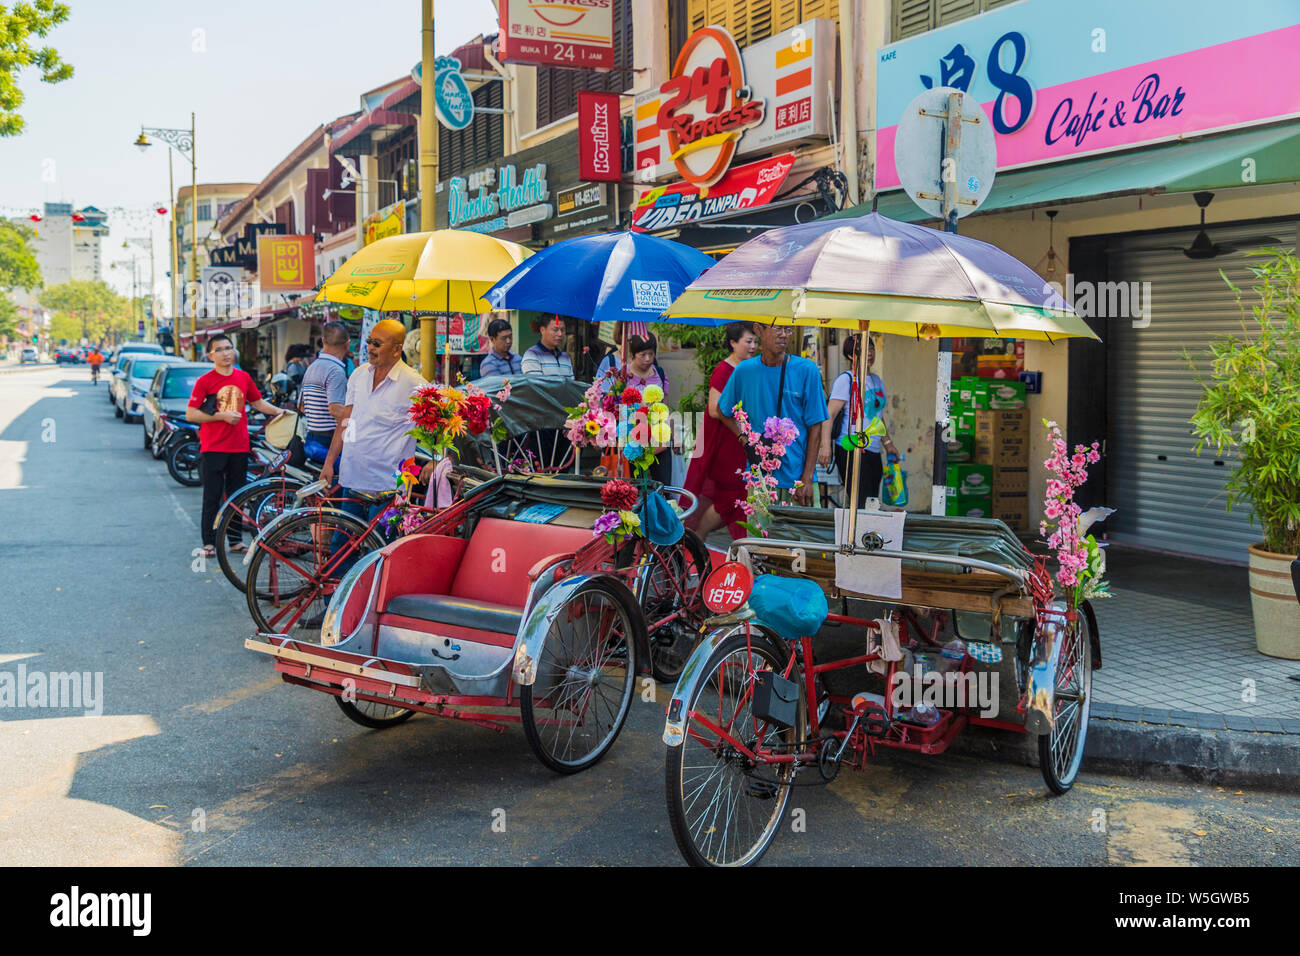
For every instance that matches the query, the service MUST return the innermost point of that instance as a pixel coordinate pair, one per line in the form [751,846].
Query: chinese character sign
[572,33]
[286,262]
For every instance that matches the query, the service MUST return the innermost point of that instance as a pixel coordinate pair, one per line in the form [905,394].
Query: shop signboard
[600,139]
[744,187]
[286,263]
[1061,81]
[722,102]
[389,221]
[538,188]
[571,33]
[224,292]
[453,102]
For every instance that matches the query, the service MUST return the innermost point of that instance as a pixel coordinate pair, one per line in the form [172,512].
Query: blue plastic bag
[893,486]
[793,607]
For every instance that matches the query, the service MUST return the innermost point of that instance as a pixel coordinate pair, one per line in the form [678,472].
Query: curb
[1192,753]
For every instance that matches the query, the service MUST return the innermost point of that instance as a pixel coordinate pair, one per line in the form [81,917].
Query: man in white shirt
[374,424]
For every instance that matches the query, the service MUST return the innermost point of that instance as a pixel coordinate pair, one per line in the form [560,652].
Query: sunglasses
[375,343]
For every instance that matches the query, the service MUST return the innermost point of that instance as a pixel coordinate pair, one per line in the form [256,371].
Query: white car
[29,355]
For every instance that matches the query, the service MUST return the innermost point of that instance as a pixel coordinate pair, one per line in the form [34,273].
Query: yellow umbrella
[448,270]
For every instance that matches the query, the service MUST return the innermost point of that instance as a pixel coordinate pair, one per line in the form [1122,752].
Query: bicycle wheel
[249,507]
[1060,752]
[585,674]
[375,716]
[724,807]
[296,568]
[674,584]
[183,464]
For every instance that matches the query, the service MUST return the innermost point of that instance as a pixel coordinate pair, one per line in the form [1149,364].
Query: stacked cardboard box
[970,490]
[1002,444]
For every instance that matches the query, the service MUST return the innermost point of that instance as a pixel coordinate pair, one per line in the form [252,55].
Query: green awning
[1213,162]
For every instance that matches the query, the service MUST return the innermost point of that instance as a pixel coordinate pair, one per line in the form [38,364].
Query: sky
[260,75]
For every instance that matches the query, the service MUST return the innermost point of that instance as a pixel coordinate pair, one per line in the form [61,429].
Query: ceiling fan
[1203,247]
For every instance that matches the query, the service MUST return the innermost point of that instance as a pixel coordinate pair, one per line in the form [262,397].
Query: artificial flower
[652,394]
[630,396]
[619,495]
[606,523]
[630,518]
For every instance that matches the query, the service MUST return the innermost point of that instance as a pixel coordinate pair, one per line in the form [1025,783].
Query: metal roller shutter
[1168,498]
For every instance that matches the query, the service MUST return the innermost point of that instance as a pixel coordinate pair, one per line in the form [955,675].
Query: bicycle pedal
[874,723]
[762,789]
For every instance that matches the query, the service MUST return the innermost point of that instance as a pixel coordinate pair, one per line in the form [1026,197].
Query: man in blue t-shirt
[757,384]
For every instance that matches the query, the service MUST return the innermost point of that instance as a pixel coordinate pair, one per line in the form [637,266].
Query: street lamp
[181,141]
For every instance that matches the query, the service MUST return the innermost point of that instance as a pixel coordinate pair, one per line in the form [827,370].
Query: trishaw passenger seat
[793,607]
[500,554]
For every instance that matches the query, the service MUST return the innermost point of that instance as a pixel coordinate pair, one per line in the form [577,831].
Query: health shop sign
[574,33]
[600,137]
[744,187]
[722,102]
[286,262]
[539,188]
[1060,81]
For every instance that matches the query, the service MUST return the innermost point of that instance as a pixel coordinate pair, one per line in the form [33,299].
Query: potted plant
[1252,402]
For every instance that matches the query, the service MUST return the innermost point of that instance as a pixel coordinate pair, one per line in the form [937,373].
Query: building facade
[1115,136]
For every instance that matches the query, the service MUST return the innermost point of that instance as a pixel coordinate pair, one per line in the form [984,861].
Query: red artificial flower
[630,396]
[475,412]
[618,495]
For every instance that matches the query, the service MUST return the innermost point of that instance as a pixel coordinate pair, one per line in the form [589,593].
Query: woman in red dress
[712,476]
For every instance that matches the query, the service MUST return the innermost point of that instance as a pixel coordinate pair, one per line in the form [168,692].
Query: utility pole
[428,175]
[194,235]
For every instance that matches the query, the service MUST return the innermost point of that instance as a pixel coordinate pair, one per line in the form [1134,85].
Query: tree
[19,23]
[18,266]
[8,319]
[101,312]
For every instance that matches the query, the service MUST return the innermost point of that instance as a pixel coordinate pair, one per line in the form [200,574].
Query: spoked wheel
[1061,752]
[585,675]
[725,808]
[367,713]
[297,567]
[183,464]
[249,507]
[673,585]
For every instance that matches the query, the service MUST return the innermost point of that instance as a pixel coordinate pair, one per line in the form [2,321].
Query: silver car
[132,382]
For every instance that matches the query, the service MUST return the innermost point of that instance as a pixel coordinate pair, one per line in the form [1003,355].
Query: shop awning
[1213,162]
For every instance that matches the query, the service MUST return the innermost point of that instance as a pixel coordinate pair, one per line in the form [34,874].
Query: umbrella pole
[855,456]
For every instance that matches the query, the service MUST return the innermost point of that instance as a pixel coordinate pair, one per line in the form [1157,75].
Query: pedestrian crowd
[356,419]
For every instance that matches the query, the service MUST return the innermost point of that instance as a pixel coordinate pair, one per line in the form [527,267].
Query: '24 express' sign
[1059,81]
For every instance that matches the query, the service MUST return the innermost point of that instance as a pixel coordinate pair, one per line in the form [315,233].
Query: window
[557,89]
[912,17]
[748,21]
[397,154]
[205,211]
[480,144]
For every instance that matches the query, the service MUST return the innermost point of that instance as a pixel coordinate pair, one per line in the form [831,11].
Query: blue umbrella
[609,277]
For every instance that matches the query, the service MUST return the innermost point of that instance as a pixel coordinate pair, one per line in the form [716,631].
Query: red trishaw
[757,709]
[506,608]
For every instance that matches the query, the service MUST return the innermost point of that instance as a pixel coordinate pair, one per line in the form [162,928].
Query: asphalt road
[202,757]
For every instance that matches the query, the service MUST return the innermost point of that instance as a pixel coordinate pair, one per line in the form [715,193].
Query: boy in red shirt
[223,434]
